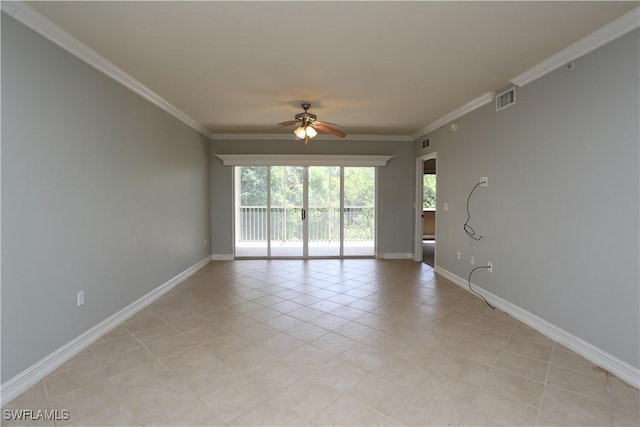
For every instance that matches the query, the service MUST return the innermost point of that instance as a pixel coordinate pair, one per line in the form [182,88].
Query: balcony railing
[324,223]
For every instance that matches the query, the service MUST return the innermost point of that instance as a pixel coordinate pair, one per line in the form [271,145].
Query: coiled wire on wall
[472,233]
[467,228]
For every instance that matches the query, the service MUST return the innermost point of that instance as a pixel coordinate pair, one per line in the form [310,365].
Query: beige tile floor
[328,342]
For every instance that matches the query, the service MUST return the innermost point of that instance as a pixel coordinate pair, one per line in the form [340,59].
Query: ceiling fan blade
[289,123]
[333,125]
[324,128]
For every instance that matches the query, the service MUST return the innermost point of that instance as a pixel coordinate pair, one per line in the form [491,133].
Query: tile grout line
[126,400]
[610,398]
[481,387]
[46,393]
[544,385]
[447,353]
[406,288]
[493,366]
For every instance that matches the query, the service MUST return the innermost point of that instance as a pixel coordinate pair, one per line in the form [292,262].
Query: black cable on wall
[467,228]
[475,292]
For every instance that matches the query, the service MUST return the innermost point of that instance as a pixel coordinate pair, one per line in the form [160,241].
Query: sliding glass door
[324,211]
[286,211]
[304,211]
[251,219]
[359,211]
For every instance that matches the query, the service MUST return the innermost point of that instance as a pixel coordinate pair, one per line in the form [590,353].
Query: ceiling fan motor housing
[306,117]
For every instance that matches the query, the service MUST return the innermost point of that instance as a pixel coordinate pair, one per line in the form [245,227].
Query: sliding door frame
[304,250]
[305,160]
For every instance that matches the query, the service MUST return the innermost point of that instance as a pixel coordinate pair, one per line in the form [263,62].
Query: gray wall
[395,188]
[560,215]
[101,192]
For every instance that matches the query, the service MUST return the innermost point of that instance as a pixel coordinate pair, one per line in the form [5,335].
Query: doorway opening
[429,212]
[425,214]
[304,211]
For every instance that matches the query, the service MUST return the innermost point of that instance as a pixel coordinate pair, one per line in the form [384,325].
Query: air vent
[506,99]
[426,143]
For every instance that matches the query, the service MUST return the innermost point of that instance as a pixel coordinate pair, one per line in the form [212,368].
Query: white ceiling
[376,68]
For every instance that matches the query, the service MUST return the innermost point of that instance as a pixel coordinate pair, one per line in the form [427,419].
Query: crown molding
[46,28]
[455,114]
[302,160]
[610,32]
[52,32]
[281,136]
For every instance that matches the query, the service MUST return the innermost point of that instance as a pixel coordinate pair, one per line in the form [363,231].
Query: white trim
[342,209]
[627,22]
[619,368]
[30,376]
[377,209]
[49,30]
[290,136]
[222,257]
[396,255]
[46,28]
[301,160]
[455,114]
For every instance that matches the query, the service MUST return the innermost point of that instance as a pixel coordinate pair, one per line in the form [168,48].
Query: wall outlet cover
[80,298]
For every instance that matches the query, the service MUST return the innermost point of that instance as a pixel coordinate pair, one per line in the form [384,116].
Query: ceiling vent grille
[506,99]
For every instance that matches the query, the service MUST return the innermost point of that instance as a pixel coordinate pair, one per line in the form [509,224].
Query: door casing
[417,238]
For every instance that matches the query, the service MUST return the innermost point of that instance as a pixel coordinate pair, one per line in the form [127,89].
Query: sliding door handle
[304,214]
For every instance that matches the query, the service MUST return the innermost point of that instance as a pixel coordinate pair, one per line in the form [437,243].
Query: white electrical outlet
[446,206]
[80,298]
[205,241]
[472,259]
[485,181]
[458,255]
[490,269]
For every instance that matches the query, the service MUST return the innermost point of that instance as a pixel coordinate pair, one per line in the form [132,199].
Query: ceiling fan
[308,125]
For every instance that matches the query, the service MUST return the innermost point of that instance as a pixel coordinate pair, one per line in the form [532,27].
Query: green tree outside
[324,200]
[429,191]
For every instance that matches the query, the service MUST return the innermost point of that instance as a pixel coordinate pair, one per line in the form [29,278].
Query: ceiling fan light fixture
[305,131]
[300,132]
[311,132]
[308,126]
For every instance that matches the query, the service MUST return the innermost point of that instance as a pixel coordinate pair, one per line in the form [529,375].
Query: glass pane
[324,211]
[359,211]
[286,210]
[251,211]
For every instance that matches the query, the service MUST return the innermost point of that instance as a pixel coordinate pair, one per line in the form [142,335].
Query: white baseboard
[626,372]
[395,255]
[30,376]
[222,257]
